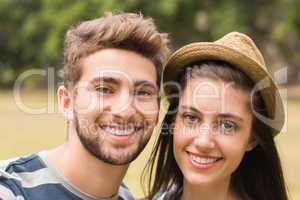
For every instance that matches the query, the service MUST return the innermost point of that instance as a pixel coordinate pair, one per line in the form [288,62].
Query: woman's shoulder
[160,195]
[168,194]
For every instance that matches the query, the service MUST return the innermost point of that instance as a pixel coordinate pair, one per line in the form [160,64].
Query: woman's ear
[65,103]
[251,144]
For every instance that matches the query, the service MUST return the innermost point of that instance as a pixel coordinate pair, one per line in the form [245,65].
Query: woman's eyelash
[190,118]
[227,125]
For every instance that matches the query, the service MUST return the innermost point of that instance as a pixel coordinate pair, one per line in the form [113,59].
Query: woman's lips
[202,161]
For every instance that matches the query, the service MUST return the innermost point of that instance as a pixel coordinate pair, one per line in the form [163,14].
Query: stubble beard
[93,140]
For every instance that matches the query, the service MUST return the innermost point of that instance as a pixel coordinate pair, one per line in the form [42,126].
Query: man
[111,71]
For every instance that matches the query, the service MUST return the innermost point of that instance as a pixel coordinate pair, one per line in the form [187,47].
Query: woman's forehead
[217,96]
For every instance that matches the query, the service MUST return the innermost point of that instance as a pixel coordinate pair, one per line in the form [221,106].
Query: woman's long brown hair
[259,175]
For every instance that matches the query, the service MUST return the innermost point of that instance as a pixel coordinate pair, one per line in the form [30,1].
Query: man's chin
[112,152]
[119,159]
[118,162]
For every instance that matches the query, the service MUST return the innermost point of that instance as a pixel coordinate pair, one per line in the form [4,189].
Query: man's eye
[104,90]
[189,118]
[142,93]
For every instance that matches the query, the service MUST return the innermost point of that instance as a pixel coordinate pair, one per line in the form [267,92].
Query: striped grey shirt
[34,178]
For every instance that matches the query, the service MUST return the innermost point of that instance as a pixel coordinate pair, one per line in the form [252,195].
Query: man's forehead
[118,61]
[119,71]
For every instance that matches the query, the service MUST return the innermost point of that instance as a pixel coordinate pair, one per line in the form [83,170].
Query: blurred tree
[31,31]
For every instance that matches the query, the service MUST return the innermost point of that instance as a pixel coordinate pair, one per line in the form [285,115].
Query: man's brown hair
[126,31]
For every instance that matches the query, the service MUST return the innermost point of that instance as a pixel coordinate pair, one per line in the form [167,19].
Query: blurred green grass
[23,133]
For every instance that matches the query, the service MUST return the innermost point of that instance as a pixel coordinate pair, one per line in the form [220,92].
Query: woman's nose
[204,139]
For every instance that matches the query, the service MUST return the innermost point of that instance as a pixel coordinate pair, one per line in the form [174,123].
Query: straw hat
[240,51]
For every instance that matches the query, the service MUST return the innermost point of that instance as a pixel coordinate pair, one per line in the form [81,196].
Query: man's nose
[124,105]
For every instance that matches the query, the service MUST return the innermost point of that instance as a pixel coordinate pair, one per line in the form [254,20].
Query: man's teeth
[201,160]
[119,131]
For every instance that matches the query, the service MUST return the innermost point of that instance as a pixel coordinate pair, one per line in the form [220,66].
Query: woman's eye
[190,119]
[104,90]
[227,126]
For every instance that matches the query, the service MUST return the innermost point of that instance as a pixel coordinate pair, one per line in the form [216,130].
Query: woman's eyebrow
[186,107]
[230,115]
[220,115]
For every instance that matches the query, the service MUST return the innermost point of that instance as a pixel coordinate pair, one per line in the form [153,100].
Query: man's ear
[65,102]
[251,144]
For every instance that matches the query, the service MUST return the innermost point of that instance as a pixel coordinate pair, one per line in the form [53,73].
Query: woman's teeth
[202,160]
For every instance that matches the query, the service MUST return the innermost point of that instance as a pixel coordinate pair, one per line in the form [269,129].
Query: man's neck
[84,171]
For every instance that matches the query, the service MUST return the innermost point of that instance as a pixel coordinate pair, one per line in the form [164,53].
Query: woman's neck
[213,191]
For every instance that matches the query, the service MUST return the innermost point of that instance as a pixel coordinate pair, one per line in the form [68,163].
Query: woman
[217,137]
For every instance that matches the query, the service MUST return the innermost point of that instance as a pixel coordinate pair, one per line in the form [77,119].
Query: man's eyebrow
[105,80]
[145,83]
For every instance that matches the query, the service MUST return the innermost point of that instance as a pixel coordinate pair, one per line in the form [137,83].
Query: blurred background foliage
[31,37]
[32,31]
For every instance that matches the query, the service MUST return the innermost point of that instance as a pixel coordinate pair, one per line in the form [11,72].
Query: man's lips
[121,130]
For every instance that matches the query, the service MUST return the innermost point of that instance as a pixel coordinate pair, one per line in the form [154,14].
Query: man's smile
[121,130]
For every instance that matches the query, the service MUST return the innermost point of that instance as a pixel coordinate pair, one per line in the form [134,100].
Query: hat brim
[202,51]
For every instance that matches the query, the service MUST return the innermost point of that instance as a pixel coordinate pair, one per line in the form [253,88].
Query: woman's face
[212,131]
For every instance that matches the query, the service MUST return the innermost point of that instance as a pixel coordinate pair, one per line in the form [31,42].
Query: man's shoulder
[25,176]
[13,167]
[14,175]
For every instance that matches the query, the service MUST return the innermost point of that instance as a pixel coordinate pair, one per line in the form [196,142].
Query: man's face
[116,104]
